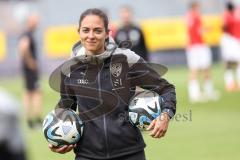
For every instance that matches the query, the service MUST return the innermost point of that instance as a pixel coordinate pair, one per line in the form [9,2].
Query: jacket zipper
[104,116]
[105,132]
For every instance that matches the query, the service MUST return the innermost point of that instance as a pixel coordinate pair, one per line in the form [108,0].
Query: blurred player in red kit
[230,46]
[198,58]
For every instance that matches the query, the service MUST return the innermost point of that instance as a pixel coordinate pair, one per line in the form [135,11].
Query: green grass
[212,134]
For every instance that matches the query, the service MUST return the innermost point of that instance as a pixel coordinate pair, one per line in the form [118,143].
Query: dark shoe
[30,123]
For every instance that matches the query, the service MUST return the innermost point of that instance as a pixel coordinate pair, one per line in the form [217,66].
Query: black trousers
[135,156]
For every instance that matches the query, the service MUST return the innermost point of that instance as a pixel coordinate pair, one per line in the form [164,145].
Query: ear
[107,37]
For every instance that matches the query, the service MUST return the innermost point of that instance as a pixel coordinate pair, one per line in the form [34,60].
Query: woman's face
[93,34]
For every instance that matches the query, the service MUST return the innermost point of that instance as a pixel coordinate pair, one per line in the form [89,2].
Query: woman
[101,81]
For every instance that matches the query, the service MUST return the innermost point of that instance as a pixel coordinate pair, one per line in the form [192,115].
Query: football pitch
[202,131]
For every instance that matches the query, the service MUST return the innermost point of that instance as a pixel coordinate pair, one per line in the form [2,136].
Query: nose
[91,35]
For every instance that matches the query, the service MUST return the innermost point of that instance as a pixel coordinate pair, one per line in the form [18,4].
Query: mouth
[91,42]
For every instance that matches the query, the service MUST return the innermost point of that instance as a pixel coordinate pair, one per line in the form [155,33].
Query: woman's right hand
[61,150]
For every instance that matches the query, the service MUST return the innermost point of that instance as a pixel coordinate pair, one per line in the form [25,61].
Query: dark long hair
[97,12]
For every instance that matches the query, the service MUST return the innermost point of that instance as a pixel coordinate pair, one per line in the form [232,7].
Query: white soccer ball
[144,107]
[62,127]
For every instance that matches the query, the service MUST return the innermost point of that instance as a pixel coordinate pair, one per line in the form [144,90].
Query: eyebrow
[97,28]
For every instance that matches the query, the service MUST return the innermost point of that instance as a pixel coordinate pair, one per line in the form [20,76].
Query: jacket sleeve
[143,75]
[67,100]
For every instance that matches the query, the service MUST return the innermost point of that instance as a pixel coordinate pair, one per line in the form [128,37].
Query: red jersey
[229,22]
[236,32]
[194,28]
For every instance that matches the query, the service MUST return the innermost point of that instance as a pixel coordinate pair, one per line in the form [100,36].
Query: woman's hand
[61,150]
[159,126]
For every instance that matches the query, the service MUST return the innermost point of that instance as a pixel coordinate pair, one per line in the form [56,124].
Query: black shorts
[135,156]
[31,79]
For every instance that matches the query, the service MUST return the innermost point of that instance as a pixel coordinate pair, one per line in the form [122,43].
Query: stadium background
[210,130]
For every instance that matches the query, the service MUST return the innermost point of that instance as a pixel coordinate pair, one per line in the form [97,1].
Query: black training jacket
[100,88]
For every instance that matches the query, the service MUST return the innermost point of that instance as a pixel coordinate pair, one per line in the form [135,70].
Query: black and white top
[100,88]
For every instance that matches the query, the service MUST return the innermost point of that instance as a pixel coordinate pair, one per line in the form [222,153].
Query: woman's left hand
[159,126]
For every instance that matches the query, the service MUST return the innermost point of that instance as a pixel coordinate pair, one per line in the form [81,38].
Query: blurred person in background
[230,46]
[198,58]
[129,31]
[32,97]
[237,34]
[11,140]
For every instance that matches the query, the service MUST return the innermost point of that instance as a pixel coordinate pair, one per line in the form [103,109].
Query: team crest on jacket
[116,69]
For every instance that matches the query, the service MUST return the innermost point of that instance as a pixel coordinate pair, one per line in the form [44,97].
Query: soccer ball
[62,127]
[144,107]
